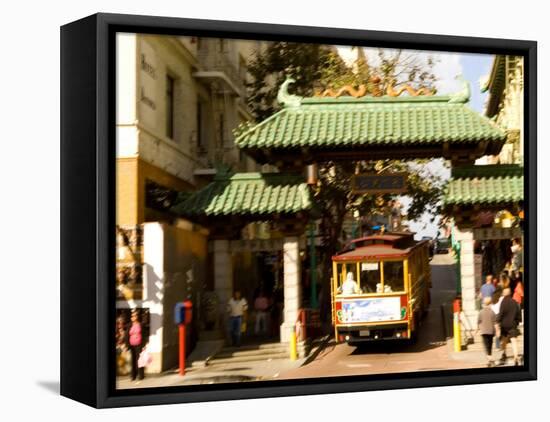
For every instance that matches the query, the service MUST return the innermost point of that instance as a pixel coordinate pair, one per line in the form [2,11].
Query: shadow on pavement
[241,368]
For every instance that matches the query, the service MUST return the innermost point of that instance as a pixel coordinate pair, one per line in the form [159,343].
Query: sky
[473,67]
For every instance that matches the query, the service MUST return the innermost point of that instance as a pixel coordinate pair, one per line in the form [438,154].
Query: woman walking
[486,326]
[135,339]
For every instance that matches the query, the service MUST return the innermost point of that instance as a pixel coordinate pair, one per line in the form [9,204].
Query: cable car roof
[379,246]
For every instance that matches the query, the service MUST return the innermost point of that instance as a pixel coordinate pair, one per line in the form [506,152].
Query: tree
[318,67]
[308,63]
[336,199]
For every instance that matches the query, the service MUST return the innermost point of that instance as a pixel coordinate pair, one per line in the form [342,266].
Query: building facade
[178,100]
[487,199]
[505,106]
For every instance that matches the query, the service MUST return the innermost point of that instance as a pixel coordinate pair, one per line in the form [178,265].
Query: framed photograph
[253,210]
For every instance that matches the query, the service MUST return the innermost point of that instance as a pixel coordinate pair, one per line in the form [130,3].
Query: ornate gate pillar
[467,275]
[292,285]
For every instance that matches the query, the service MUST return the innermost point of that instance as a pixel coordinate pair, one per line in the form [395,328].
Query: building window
[200,145]
[170,84]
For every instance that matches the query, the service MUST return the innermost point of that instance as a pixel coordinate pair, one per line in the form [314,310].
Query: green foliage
[306,63]
[336,199]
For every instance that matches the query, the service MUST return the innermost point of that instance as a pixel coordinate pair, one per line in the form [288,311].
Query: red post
[182,348]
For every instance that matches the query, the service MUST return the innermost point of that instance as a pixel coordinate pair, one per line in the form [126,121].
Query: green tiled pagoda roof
[490,184]
[495,85]
[248,194]
[355,122]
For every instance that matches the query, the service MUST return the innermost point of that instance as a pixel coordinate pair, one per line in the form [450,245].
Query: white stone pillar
[153,291]
[223,276]
[292,285]
[467,276]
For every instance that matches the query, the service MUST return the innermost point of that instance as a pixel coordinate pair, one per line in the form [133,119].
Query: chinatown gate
[232,201]
[308,131]
[472,192]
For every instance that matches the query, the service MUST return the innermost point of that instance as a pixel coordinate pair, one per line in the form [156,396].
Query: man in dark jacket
[509,317]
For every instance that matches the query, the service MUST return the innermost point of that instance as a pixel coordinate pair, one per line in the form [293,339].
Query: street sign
[378,183]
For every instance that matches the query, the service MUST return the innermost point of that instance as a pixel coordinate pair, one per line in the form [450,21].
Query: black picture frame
[88,208]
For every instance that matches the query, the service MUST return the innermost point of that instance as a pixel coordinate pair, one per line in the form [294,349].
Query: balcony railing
[222,63]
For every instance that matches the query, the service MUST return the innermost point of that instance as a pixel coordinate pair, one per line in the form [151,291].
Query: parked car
[442,245]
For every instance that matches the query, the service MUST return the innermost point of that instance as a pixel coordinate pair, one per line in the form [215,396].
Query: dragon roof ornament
[286,99]
[375,88]
[462,96]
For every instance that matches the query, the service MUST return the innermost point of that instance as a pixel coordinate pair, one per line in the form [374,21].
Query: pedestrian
[518,291]
[509,318]
[135,339]
[504,282]
[486,325]
[236,308]
[497,300]
[261,304]
[516,262]
[487,289]
[145,359]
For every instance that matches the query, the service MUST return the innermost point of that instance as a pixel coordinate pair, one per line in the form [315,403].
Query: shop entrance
[258,273]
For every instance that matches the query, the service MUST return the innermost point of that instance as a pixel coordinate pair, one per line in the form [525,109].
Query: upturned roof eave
[478,129]
[224,197]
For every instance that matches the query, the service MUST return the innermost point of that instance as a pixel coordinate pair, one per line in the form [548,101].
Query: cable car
[380,288]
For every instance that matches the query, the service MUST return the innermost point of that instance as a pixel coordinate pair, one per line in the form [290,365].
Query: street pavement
[431,352]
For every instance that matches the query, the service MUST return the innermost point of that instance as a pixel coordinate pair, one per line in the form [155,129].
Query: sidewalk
[235,372]
[474,353]
[199,372]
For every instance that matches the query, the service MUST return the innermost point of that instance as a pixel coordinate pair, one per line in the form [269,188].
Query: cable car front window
[370,276]
[393,277]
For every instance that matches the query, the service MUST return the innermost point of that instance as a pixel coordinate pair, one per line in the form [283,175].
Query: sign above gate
[496,233]
[379,183]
